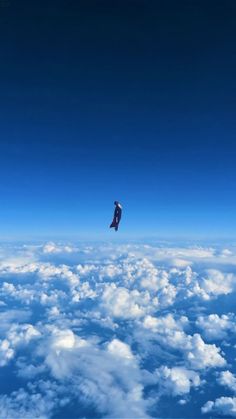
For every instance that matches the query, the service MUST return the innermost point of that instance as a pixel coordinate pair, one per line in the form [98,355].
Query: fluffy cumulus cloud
[36,401]
[217,327]
[106,376]
[6,352]
[120,302]
[227,379]
[51,247]
[176,380]
[217,283]
[119,349]
[169,332]
[225,406]
[111,330]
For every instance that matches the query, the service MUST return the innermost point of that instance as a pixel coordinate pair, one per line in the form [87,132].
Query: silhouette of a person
[117,215]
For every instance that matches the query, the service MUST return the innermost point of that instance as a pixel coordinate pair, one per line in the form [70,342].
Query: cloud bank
[116,330]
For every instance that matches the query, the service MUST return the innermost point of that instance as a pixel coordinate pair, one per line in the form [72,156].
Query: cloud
[120,302]
[51,247]
[113,330]
[108,377]
[169,332]
[12,316]
[165,325]
[211,284]
[176,381]
[120,349]
[6,352]
[225,406]
[18,335]
[38,401]
[29,371]
[181,263]
[201,355]
[217,283]
[227,379]
[217,327]
[22,334]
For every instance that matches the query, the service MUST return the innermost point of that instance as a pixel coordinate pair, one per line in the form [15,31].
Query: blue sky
[128,100]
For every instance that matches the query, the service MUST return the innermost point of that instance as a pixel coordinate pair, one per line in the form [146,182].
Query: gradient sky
[129,100]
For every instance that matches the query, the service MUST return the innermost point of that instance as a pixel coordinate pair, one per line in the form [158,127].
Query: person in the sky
[117,215]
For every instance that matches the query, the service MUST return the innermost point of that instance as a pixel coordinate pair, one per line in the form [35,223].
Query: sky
[124,100]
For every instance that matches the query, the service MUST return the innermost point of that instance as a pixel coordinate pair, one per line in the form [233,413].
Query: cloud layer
[116,330]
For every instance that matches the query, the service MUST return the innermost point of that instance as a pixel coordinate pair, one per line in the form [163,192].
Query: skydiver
[117,215]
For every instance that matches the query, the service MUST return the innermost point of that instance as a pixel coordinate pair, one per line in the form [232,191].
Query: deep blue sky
[128,100]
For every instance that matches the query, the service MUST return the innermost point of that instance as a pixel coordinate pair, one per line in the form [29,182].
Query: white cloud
[83,291]
[51,247]
[201,355]
[181,263]
[29,371]
[54,312]
[217,327]
[22,334]
[176,381]
[120,302]
[6,352]
[8,317]
[218,283]
[109,378]
[223,405]
[227,379]
[226,253]
[35,402]
[197,353]
[121,349]
[109,322]
[18,335]
[155,282]
[165,325]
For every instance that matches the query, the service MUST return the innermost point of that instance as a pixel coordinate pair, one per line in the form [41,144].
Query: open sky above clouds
[117,330]
[131,100]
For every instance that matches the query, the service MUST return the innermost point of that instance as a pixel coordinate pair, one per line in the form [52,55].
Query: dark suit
[116,218]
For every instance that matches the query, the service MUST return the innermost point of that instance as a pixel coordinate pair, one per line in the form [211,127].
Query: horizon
[130,101]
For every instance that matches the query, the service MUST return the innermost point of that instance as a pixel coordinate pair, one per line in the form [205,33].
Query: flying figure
[117,215]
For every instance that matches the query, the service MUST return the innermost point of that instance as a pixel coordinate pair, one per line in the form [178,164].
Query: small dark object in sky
[117,215]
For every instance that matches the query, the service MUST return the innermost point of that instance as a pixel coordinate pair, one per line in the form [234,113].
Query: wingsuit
[117,215]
